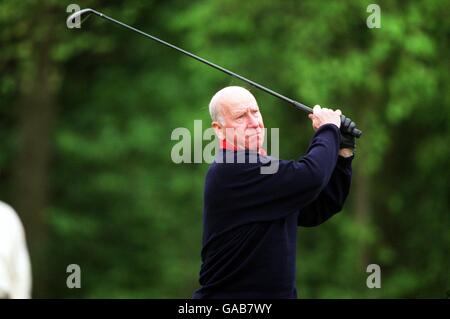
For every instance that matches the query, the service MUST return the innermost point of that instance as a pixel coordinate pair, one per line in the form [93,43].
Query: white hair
[215,109]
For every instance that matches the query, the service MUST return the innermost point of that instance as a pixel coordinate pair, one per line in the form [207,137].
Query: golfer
[250,219]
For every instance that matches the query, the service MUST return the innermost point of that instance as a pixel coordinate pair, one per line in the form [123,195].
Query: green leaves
[120,208]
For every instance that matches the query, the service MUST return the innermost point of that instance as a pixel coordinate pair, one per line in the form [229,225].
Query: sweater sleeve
[236,194]
[305,178]
[331,200]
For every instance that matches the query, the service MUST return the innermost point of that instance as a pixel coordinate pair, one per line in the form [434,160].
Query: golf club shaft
[356,132]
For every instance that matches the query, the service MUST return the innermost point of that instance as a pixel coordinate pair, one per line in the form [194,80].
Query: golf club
[346,124]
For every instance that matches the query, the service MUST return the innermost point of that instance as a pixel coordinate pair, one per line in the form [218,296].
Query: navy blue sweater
[250,219]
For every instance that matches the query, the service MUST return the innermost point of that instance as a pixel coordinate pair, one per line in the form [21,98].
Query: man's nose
[253,120]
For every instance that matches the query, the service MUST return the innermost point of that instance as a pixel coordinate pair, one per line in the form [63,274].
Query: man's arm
[331,200]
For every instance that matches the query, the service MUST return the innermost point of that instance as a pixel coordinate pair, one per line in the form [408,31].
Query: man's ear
[218,128]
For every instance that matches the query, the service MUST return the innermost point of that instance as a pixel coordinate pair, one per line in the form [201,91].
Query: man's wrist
[345,152]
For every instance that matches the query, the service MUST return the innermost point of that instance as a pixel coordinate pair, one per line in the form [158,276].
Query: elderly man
[250,219]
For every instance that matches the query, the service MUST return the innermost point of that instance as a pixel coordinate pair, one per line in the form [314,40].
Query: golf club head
[77,14]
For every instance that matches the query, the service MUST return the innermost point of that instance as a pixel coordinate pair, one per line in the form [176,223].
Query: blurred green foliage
[117,205]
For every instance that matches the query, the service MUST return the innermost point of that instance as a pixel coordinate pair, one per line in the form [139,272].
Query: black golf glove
[347,139]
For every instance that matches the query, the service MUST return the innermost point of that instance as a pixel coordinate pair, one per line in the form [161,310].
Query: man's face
[242,123]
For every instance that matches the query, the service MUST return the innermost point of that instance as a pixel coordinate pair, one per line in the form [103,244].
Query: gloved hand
[347,139]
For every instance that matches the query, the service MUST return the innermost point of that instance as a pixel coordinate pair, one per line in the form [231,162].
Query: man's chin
[251,142]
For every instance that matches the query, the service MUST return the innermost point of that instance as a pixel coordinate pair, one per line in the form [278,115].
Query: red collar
[231,147]
[226,146]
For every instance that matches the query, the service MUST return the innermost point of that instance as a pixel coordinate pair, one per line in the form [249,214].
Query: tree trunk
[362,209]
[36,112]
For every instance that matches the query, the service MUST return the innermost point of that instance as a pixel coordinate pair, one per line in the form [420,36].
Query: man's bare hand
[345,152]
[322,116]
